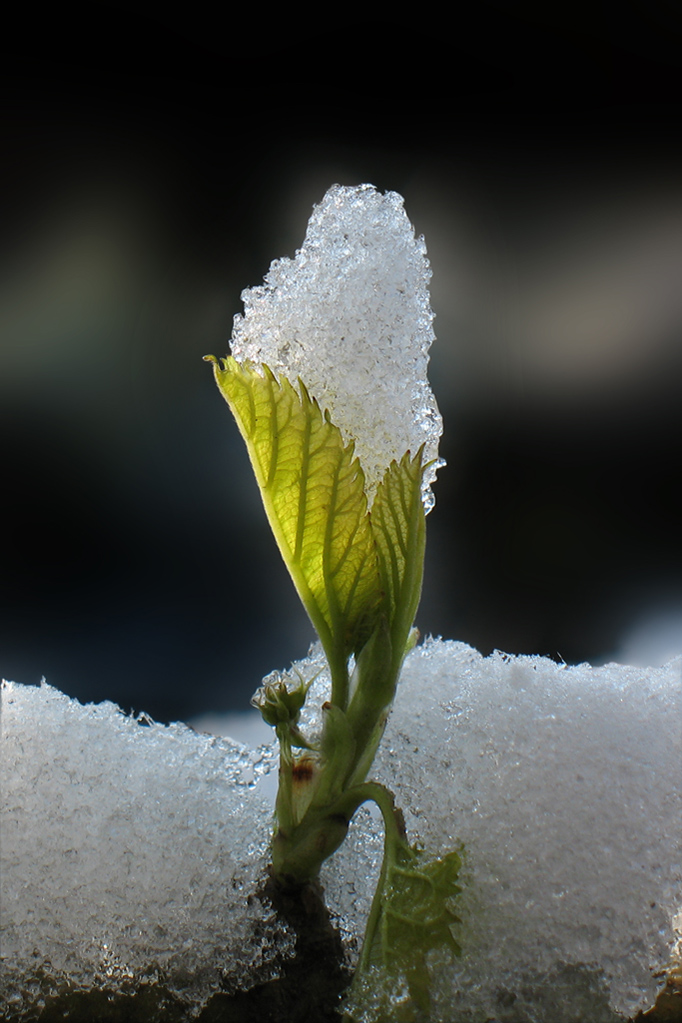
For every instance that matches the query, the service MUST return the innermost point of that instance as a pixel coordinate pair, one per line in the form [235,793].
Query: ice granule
[129,852]
[350,315]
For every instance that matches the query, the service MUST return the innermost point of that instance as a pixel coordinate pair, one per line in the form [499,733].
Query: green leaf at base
[416,910]
[416,917]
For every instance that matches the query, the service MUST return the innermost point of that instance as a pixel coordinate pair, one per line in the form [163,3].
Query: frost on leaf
[350,315]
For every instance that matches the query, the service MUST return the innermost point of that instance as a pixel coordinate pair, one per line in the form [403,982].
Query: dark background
[154,164]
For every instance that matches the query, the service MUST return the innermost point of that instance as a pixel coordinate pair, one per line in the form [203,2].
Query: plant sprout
[345,482]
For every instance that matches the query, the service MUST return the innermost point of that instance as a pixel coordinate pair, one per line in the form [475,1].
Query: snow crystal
[131,851]
[350,315]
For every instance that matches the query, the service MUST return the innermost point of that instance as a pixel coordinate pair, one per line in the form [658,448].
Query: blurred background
[152,167]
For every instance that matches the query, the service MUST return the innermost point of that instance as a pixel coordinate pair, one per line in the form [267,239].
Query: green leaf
[399,529]
[416,918]
[416,910]
[313,490]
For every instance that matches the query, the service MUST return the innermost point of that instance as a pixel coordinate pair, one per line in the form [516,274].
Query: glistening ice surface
[128,848]
[350,315]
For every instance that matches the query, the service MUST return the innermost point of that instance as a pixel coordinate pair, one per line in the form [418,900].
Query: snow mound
[563,784]
[129,850]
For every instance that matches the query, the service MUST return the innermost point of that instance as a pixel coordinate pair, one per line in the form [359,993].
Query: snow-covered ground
[129,849]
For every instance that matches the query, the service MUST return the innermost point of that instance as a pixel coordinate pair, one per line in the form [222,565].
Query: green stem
[299,851]
[338,667]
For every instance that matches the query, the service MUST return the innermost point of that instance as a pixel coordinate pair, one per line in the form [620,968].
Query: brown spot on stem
[302,771]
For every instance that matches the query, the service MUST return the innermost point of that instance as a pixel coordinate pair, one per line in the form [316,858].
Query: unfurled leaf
[312,488]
